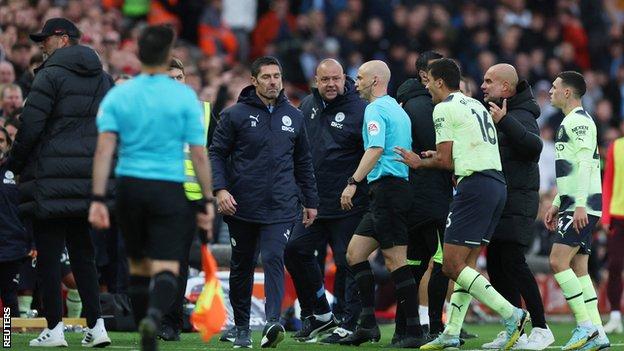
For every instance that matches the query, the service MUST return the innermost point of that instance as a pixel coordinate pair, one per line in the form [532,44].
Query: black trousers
[306,271]
[51,236]
[9,282]
[510,275]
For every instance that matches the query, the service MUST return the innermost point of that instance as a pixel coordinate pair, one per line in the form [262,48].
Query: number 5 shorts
[567,235]
[475,210]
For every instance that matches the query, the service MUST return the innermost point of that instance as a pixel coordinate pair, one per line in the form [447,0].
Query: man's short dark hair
[447,70]
[423,60]
[155,43]
[575,81]
[175,63]
[261,62]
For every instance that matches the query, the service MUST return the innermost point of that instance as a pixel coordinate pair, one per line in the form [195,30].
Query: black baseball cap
[56,26]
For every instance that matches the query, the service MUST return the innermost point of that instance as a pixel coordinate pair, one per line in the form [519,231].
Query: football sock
[163,288]
[405,290]
[24,302]
[591,302]
[74,303]
[573,292]
[423,314]
[460,303]
[138,291]
[481,289]
[366,286]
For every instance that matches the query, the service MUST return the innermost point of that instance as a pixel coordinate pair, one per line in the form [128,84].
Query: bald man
[385,225]
[514,111]
[333,115]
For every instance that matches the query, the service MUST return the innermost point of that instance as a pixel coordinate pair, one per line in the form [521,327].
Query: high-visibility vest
[191,186]
[617,198]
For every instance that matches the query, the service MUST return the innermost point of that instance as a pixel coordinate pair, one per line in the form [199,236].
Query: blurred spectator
[240,16]
[273,27]
[7,72]
[10,100]
[215,38]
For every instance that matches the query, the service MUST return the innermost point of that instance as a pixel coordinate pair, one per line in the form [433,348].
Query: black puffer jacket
[53,151]
[433,188]
[520,147]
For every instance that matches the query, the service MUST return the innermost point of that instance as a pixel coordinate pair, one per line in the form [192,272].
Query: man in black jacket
[433,190]
[53,154]
[263,174]
[514,110]
[333,115]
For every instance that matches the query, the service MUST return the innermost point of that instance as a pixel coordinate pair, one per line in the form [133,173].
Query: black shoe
[168,333]
[410,342]
[395,338]
[362,335]
[243,338]
[228,335]
[425,329]
[272,335]
[313,327]
[336,336]
[463,334]
[147,330]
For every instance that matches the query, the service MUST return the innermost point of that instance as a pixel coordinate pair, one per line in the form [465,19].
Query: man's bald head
[377,69]
[499,82]
[330,79]
[372,80]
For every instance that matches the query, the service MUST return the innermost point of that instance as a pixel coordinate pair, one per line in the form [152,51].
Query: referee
[386,125]
[152,117]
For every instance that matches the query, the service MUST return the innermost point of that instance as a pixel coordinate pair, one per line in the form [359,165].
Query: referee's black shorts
[155,218]
[387,218]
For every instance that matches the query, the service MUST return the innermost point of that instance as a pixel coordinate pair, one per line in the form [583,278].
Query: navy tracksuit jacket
[262,157]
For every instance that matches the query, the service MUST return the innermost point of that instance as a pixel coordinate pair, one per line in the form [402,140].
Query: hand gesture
[551,218]
[408,157]
[498,112]
[226,204]
[98,215]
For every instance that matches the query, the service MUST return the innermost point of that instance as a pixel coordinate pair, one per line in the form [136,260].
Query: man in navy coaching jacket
[262,163]
[333,114]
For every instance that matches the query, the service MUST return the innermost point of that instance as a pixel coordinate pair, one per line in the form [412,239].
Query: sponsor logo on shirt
[9,178]
[373,127]
[287,122]
[337,119]
[254,120]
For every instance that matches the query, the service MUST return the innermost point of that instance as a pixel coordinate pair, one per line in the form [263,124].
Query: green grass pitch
[191,341]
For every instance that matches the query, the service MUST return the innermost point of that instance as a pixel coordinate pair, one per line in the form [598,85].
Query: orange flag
[209,314]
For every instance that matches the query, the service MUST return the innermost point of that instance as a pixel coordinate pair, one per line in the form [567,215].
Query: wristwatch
[351,181]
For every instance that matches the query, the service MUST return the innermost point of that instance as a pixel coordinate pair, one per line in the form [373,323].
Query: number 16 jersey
[465,121]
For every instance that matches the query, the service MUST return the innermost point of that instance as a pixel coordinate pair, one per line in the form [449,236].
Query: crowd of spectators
[219,38]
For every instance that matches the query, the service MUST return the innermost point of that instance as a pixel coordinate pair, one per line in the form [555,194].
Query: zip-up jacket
[263,159]
[335,132]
